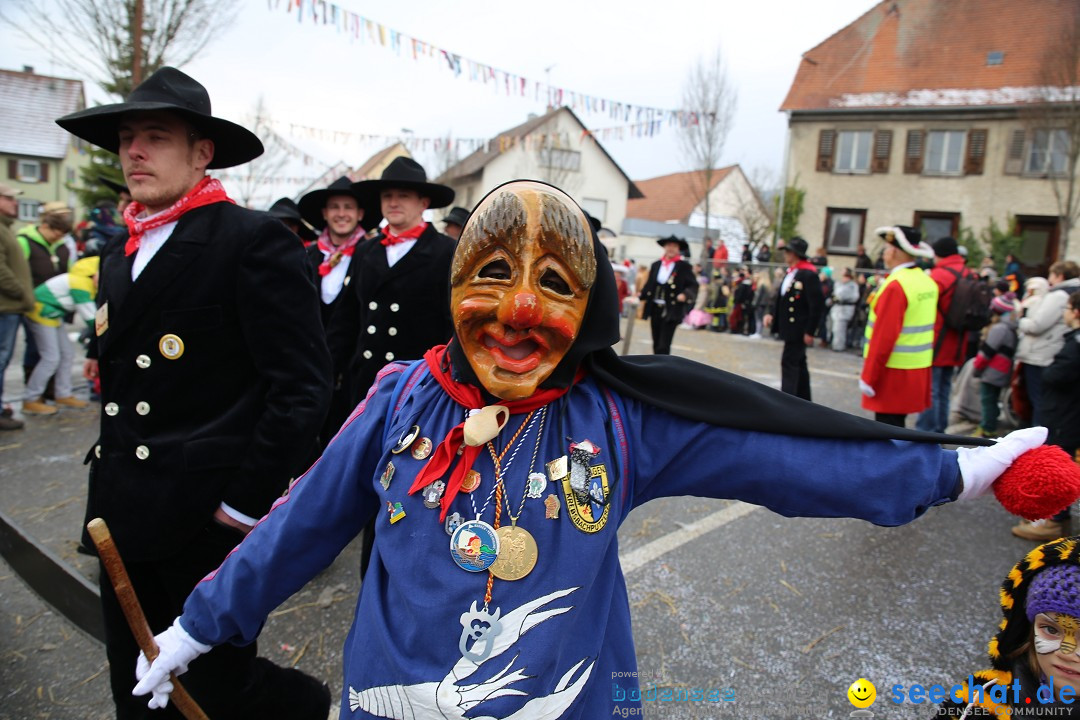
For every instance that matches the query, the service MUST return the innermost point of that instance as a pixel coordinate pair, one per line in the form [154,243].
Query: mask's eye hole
[495,270]
[554,282]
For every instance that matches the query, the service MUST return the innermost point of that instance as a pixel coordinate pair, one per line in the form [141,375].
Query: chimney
[28,69]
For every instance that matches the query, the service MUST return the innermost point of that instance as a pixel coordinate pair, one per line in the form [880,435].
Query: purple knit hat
[1055,589]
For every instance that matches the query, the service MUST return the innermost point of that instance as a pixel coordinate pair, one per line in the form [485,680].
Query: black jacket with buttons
[391,313]
[798,311]
[227,409]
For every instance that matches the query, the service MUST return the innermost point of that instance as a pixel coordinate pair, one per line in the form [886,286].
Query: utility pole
[136,42]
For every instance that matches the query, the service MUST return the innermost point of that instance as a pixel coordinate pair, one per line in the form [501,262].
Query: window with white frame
[28,210]
[944,152]
[1049,152]
[853,151]
[560,159]
[29,171]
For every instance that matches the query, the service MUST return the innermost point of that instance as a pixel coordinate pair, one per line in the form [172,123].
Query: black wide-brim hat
[405,173]
[170,90]
[796,245]
[285,209]
[456,216]
[684,247]
[113,185]
[312,204]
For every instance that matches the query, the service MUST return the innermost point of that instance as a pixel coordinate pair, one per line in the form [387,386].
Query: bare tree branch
[709,102]
[262,170]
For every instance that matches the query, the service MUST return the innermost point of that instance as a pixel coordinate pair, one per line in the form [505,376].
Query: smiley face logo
[862,693]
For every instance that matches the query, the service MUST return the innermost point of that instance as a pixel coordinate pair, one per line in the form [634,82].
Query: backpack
[970,306]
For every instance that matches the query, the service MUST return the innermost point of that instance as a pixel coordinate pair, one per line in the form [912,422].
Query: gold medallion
[171,346]
[517,553]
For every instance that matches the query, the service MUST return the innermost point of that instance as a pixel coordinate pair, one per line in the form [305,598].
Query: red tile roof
[671,198]
[932,53]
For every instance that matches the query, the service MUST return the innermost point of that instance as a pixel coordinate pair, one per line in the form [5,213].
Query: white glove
[981,466]
[175,650]
[866,389]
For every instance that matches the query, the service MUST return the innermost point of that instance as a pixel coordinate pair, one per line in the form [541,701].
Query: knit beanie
[1055,589]
[945,247]
[1003,303]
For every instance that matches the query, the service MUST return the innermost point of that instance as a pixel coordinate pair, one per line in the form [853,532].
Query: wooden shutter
[1014,154]
[882,149]
[44,172]
[914,152]
[13,169]
[976,152]
[825,149]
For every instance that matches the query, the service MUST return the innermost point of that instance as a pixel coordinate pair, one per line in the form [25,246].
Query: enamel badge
[387,476]
[171,346]
[395,510]
[474,546]
[588,510]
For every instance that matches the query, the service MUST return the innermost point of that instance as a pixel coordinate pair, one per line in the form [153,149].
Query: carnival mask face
[520,284]
[1056,636]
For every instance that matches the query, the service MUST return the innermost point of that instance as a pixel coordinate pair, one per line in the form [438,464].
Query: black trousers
[891,418]
[663,332]
[227,682]
[794,373]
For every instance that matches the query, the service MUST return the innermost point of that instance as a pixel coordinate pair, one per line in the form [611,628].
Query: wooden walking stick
[129,603]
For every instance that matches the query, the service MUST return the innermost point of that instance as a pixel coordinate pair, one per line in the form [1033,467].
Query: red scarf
[332,255]
[667,262]
[207,192]
[453,444]
[390,238]
[804,265]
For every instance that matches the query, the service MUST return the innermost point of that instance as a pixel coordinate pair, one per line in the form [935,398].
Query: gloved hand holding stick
[129,603]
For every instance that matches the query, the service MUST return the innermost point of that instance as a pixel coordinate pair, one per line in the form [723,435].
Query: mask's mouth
[520,355]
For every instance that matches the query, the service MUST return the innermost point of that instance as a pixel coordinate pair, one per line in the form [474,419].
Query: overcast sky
[633,52]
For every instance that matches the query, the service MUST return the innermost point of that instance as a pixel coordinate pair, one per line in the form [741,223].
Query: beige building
[37,156]
[556,149]
[920,113]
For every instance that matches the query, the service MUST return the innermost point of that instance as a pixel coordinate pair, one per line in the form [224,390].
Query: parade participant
[397,305]
[285,210]
[71,292]
[500,467]
[214,379]
[950,344]
[16,292]
[343,216]
[797,312]
[454,221]
[899,345]
[669,292]
[1035,667]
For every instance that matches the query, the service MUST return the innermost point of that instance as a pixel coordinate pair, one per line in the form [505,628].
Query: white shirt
[151,242]
[396,252]
[332,282]
[788,279]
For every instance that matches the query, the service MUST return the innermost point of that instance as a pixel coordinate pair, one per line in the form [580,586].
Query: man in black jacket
[398,302]
[214,380]
[669,292]
[797,313]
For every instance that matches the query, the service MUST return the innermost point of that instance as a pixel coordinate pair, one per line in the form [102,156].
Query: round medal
[406,440]
[171,346]
[517,553]
[421,448]
[474,546]
[471,481]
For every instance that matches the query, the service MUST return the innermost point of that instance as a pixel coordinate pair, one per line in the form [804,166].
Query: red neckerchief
[667,262]
[804,265]
[332,255]
[390,238]
[453,444]
[207,192]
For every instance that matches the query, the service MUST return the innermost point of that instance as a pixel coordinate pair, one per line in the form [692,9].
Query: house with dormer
[919,113]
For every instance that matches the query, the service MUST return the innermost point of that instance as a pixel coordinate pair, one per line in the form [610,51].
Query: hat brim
[312,204]
[684,247]
[900,241]
[440,195]
[796,253]
[233,144]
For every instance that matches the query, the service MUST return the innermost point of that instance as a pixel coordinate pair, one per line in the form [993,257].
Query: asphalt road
[777,616]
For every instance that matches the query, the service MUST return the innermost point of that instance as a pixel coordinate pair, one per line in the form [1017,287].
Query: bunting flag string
[358,28]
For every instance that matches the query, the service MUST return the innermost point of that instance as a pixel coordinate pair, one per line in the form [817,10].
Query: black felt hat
[684,247]
[285,209]
[171,90]
[796,245]
[456,216]
[312,204]
[407,174]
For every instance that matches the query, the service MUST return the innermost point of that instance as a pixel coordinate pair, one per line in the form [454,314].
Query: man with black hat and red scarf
[214,380]
[397,304]
[797,312]
[669,292]
[285,210]
[343,216]
[517,608]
